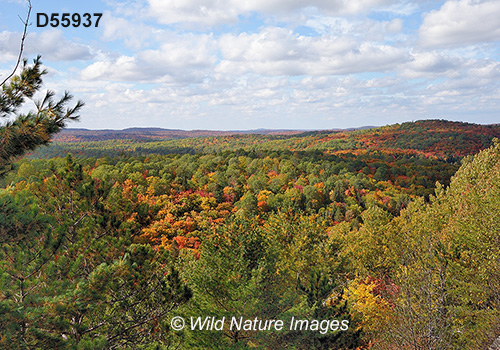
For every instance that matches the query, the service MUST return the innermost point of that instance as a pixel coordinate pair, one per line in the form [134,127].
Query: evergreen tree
[25,132]
[70,275]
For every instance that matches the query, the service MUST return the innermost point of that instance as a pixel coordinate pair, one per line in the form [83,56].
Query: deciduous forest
[394,229]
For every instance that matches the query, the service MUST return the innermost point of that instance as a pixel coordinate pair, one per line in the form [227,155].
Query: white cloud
[274,51]
[332,25]
[403,8]
[182,58]
[367,29]
[395,26]
[200,12]
[460,23]
[432,65]
[488,69]
[135,35]
[9,46]
[215,12]
[278,51]
[251,101]
[51,44]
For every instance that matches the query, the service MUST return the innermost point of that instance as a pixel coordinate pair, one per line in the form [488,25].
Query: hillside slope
[429,138]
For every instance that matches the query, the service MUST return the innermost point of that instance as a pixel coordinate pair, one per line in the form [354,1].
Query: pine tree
[70,275]
[25,132]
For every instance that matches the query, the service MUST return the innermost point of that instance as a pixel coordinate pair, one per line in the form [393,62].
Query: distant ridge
[449,140]
[154,133]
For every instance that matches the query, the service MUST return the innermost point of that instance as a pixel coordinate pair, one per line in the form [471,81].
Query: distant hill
[79,135]
[428,138]
[144,134]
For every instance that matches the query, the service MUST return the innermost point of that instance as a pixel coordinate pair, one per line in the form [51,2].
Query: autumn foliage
[100,249]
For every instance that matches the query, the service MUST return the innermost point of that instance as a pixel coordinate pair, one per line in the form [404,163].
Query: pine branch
[34,129]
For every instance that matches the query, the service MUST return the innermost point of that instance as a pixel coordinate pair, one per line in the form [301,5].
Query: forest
[393,230]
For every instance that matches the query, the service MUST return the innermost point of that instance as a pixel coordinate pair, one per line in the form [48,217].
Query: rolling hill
[430,138]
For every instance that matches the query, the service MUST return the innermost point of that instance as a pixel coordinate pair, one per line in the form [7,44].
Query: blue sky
[279,64]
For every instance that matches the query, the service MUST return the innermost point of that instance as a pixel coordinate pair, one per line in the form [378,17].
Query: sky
[275,64]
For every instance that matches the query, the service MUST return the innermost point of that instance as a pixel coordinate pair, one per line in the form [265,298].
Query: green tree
[234,276]
[70,276]
[25,132]
[448,272]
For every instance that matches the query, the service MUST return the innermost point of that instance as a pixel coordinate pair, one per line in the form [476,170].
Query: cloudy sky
[247,64]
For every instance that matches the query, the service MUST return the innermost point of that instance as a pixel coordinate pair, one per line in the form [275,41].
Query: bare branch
[25,33]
